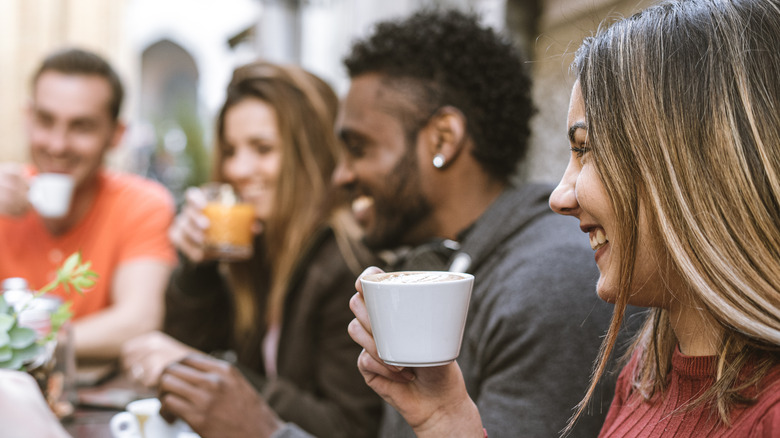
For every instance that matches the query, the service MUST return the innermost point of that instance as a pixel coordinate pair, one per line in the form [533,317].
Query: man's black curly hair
[444,58]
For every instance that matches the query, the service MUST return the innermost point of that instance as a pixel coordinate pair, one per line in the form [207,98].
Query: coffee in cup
[417,317]
[50,194]
[229,235]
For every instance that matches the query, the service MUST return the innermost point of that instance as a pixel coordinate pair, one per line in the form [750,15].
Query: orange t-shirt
[128,221]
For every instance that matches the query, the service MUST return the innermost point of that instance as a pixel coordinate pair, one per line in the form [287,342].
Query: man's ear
[120,127]
[28,114]
[446,132]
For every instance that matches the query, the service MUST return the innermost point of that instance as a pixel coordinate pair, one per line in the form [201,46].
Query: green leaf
[6,322]
[13,364]
[73,275]
[60,316]
[71,262]
[21,337]
[5,339]
[4,307]
[83,269]
[28,353]
[6,353]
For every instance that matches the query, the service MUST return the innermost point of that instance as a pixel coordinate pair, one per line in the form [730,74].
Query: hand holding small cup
[433,400]
[50,194]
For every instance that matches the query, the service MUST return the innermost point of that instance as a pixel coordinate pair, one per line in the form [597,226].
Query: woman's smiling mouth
[598,238]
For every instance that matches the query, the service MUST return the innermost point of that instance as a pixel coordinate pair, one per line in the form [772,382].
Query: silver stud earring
[438,161]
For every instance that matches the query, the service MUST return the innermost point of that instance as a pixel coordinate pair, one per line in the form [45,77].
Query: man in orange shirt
[118,221]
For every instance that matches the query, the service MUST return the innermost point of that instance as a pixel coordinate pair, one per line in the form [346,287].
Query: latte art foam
[415,277]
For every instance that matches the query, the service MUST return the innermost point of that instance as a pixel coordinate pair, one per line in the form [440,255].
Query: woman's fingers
[195,197]
[360,329]
[132,354]
[366,340]
[146,356]
[360,335]
[371,368]
[359,309]
[206,364]
[367,271]
[194,224]
[188,232]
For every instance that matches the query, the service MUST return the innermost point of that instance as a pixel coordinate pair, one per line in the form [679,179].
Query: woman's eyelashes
[580,151]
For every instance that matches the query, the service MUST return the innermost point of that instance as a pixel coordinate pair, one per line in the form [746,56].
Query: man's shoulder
[548,261]
[547,238]
[521,221]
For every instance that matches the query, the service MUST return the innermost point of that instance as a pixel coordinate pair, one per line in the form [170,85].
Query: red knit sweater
[629,416]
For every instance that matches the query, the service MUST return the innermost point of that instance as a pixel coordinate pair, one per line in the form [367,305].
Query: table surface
[89,423]
[97,404]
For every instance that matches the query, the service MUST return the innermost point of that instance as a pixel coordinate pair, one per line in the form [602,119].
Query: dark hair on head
[441,58]
[82,62]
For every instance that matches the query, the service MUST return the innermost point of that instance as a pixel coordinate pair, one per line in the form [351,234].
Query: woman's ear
[446,135]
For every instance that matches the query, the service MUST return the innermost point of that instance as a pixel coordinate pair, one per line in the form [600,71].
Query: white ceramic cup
[142,419]
[417,317]
[50,194]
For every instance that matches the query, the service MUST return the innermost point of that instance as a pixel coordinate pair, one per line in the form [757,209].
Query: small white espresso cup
[50,194]
[142,419]
[417,317]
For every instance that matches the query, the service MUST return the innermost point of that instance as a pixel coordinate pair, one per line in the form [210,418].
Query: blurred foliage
[21,345]
[180,158]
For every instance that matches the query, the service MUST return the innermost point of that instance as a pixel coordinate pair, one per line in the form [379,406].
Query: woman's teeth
[598,239]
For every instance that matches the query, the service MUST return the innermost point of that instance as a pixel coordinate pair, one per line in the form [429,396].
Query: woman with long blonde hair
[279,316]
[674,130]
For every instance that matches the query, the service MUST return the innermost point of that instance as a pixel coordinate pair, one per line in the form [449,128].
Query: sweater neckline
[693,366]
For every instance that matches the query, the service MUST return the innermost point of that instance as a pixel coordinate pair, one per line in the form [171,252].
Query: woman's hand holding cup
[188,232]
[433,400]
[214,224]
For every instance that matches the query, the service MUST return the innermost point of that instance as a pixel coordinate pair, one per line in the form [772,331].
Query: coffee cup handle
[124,425]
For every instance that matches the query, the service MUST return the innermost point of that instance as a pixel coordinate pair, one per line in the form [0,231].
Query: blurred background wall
[176,56]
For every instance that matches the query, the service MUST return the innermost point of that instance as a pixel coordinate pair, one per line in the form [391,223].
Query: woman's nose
[239,166]
[563,199]
[343,174]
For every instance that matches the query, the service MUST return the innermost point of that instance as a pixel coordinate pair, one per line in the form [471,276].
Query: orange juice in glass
[229,235]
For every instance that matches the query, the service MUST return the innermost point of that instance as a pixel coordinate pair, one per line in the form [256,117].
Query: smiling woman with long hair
[279,316]
[682,129]
[674,130]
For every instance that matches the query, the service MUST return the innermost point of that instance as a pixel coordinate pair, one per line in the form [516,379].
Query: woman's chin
[606,293]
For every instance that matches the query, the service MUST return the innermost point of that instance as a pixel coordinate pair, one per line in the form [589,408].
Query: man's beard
[399,207]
